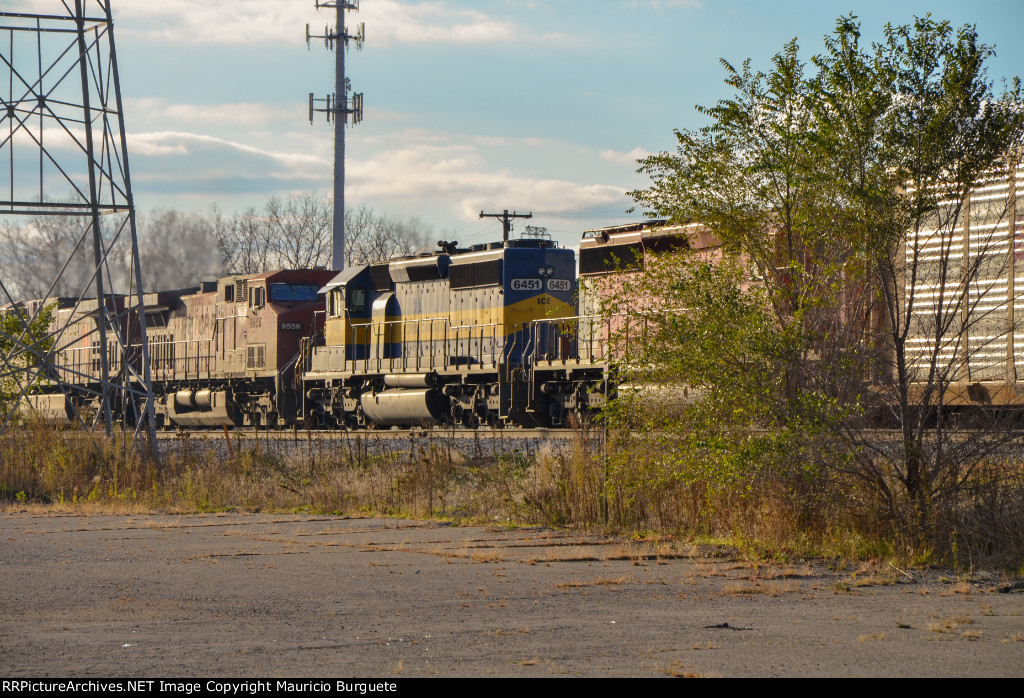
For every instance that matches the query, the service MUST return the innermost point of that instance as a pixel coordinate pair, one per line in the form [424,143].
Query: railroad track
[381,434]
[465,433]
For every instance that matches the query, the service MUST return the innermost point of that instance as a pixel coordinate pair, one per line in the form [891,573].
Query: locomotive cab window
[284,293]
[336,303]
[257,297]
[357,299]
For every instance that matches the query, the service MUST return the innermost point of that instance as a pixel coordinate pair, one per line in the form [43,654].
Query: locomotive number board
[527,284]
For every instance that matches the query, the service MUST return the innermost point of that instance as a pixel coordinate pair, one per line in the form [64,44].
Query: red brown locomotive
[227,354]
[220,354]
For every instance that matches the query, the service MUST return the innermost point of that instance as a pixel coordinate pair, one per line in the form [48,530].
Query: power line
[577,213]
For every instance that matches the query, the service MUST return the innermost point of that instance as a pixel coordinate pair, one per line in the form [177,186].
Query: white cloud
[459,175]
[241,114]
[163,143]
[254,22]
[407,135]
[32,6]
[195,21]
[391,21]
[260,22]
[148,147]
[630,158]
[506,141]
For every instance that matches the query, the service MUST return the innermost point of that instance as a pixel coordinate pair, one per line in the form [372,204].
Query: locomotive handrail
[433,343]
[456,344]
[164,368]
[596,337]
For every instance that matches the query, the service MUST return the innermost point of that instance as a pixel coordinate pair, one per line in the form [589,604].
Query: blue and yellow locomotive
[443,338]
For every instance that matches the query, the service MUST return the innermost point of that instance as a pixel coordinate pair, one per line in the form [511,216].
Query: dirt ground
[236,595]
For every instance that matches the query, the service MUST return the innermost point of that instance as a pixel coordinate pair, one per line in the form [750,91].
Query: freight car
[963,273]
[445,337]
[598,337]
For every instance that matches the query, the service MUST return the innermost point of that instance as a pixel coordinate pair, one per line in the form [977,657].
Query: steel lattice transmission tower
[338,107]
[64,167]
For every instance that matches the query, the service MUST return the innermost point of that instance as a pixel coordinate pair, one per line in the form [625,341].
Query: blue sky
[539,105]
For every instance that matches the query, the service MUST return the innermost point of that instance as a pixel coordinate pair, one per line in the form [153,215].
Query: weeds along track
[642,484]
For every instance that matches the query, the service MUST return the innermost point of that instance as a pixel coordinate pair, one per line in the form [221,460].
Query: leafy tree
[770,366]
[25,345]
[842,186]
[912,127]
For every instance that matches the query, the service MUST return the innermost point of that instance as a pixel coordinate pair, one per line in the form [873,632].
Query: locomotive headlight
[551,270]
[540,270]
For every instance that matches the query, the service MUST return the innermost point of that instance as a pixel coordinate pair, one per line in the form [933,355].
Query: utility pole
[506,221]
[338,106]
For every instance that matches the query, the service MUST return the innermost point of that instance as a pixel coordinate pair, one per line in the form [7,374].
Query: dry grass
[877,637]
[767,589]
[519,631]
[946,626]
[964,588]
[706,646]
[637,489]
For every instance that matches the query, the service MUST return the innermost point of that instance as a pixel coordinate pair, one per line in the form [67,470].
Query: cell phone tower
[66,197]
[338,107]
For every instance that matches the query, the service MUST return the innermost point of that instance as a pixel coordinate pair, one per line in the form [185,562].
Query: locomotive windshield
[283,293]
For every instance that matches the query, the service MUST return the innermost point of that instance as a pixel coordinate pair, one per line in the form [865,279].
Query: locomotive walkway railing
[185,359]
[78,365]
[173,360]
[425,345]
[585,339]
[435,344]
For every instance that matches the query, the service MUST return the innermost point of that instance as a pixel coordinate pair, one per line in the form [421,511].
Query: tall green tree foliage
[837,184]
[911,127]
[24,345]
[753,177]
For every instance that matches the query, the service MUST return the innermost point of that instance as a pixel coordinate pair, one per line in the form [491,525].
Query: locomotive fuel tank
[405,407]
[202,408]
